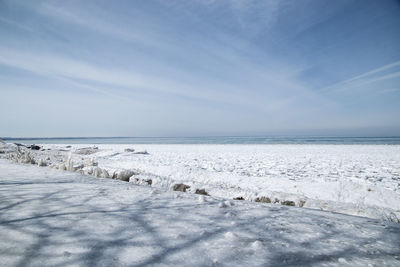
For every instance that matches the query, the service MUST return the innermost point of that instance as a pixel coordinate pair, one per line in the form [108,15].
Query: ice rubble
[357,180]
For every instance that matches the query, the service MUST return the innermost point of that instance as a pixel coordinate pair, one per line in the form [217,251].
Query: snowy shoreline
[58,218]
[350,179]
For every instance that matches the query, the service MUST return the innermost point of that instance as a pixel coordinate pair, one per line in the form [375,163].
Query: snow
[51,217]
[362,180]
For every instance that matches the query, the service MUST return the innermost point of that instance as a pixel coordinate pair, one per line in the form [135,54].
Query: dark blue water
[211,140]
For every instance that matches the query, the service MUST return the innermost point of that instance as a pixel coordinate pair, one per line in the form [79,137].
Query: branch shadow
[55,225]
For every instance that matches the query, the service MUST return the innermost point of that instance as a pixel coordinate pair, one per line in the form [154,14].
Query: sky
[199,68]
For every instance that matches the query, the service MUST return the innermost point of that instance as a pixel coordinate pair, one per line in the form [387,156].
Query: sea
[393,140]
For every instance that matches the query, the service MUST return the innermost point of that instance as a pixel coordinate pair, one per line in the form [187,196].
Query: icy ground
[361,180]
[56,218]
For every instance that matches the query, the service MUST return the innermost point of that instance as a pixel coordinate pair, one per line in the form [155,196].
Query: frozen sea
[356,179]
[67,213]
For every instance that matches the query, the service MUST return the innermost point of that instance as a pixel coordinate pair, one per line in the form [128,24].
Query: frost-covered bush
[62,167]
[70,164]
[105,174]
[42,163]
[97,172]
[91,162]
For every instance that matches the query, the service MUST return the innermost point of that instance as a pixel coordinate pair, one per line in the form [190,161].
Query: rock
[288,203]
[201,192]
[276,200]
[68,146]
[238,198]
[34,147]
[180,187]
[263,199]
[18,144]
[129,150]
[142,152]
[125,175]
[148,181]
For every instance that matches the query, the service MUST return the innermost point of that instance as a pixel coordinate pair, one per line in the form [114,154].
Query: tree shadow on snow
[50,226]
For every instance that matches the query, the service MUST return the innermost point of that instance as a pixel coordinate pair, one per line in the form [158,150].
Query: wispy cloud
[17,24]
[223,64]
[86,75]
[57,66]
[367,78]
[93,22]
[226,55]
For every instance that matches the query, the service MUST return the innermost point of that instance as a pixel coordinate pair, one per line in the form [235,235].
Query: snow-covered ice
[50,217]
[361,180]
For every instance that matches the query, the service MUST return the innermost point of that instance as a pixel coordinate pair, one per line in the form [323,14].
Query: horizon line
[203,136]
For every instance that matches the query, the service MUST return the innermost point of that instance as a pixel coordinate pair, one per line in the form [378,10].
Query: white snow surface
[51,217]
[361,180]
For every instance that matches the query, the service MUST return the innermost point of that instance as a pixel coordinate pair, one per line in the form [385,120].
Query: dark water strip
[394,140]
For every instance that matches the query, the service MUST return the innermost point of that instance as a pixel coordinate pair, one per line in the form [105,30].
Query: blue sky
[192,68]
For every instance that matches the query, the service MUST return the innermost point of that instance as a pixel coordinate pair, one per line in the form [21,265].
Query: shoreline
[256,140]
[210,170]
[58,218]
